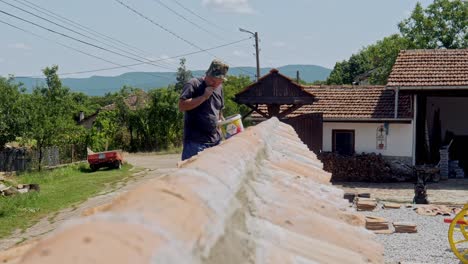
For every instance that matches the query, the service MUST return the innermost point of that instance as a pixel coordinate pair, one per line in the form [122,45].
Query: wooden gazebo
[276,95]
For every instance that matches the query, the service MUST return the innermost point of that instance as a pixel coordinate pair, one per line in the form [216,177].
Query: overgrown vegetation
[59,189]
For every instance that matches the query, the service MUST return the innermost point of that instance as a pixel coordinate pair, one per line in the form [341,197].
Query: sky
[131,32]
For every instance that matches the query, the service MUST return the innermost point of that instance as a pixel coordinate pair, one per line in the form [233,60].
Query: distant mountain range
[100,85]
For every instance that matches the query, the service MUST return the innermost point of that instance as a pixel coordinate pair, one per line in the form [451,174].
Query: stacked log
[364,168]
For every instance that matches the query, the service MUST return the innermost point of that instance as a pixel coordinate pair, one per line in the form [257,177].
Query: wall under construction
[260,197]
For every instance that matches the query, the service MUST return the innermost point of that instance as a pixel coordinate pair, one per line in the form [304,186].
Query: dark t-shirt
[200,123]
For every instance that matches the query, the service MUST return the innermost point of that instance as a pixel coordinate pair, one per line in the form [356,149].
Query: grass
[59,189]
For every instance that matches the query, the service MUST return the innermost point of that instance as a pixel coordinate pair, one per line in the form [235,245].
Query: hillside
[99,85]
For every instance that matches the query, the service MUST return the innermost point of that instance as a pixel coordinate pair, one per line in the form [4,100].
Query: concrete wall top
[259,197]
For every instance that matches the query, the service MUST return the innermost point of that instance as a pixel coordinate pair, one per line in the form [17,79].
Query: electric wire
[187,20]
[85,28]
[73,38]
[172,33]
[77,50]
[94,39]
[136,64]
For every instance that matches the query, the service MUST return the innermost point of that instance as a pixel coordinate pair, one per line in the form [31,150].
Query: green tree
[443,24]
[375,60]
[12,116]
[232,86]
[183,75]
[104,130]
[165,121]
[382,55]
[50,117]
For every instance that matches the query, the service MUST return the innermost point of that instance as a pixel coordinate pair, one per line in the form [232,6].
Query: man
[202,100]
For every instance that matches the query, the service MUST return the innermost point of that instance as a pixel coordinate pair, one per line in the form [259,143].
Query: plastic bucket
[231,126]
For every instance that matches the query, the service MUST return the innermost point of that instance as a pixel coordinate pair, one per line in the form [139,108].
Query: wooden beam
[255,108]
[273,109]
[249,113]
[275,100]
[289,110]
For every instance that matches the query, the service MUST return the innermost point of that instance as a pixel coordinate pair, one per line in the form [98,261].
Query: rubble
[433,210]
[19,189]
[366,204]
[378,225]
[391,205]
[405,227]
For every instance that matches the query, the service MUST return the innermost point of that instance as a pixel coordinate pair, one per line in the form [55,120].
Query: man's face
[213,81]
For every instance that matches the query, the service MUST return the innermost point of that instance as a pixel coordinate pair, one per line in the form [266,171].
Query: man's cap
[218,69]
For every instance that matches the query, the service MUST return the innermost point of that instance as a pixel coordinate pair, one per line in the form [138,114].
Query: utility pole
[257,50]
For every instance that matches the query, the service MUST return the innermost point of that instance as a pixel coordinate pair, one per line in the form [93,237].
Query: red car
[110,159]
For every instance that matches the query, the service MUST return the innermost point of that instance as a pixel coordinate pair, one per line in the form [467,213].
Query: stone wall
[260,197]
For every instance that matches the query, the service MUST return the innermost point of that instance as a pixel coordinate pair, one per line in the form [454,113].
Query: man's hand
[191,103]
[208,92]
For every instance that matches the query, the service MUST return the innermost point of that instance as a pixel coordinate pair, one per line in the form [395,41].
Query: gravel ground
[429,245]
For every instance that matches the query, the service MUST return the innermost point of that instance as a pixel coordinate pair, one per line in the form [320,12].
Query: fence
[21,159]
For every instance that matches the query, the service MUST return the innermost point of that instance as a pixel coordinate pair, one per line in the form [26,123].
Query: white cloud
[235,6]
[279,44]
[20,46]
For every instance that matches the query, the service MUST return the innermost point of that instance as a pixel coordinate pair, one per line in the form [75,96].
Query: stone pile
[20,188]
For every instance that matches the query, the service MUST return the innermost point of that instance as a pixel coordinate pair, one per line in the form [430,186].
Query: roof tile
[430,68]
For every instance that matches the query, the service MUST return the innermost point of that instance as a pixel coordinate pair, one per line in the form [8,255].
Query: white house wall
[399,138]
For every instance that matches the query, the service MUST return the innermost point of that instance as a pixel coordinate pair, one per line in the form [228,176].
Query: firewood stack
[364,167]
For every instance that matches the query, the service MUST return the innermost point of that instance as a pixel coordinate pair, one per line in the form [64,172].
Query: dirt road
[150,166]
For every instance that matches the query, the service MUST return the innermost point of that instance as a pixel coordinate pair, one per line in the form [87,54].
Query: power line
[157,24]
[195,14]
[77,50]
[82,27]
[81,41]
[76,32]
[77,24]
[173,57]
[169,31]
[191,22]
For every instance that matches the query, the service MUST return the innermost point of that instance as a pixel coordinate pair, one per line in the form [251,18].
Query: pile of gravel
[429,245]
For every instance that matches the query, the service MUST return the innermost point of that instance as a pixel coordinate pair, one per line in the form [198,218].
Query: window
[343,141]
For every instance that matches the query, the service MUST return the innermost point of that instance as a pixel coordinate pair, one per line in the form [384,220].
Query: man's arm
[221,116]
[191,103]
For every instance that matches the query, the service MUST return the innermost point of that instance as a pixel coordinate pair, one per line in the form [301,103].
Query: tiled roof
[352,102]
[133,102]
[430,68]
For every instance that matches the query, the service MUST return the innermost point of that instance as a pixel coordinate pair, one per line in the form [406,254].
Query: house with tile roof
[437,82]
[396,120]
[135,101]
[343,119]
